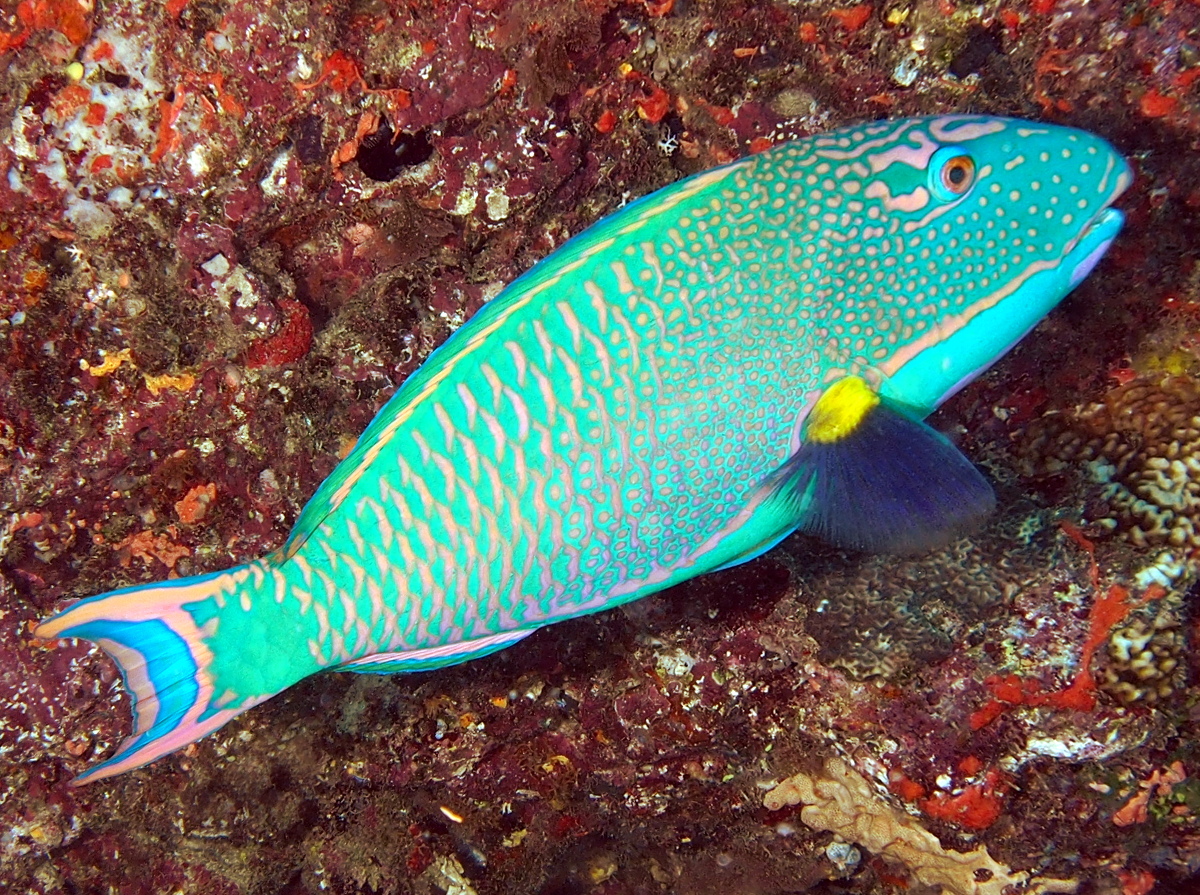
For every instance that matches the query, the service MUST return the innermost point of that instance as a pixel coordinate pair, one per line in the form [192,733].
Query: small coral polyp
[1142,445]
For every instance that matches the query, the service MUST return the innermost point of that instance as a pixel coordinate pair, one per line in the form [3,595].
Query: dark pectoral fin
[877,480]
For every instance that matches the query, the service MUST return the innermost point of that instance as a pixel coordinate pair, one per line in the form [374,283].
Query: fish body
[635,411]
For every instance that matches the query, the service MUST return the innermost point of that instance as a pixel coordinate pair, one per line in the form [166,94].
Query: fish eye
[952,172]
[958,174]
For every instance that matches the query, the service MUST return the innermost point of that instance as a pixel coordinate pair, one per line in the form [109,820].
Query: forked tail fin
[165,662]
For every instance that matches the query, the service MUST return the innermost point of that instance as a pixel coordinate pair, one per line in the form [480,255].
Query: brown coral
[883,616]
[1147,655]
[1142,445]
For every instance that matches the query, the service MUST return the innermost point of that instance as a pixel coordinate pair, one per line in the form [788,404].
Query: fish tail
[165,659]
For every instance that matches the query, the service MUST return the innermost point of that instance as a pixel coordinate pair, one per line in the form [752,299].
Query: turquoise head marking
[949,238]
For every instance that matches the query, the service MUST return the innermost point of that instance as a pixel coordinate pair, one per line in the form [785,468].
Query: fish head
[989,223]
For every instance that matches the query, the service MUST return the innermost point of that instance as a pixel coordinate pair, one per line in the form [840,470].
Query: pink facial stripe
[904,153]
[957,128]
[952,323]
[862,148]
[914,201]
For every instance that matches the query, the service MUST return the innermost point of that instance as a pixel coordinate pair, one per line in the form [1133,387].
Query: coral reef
[1142,445]
[1148,652]
[230,229]
[884,615]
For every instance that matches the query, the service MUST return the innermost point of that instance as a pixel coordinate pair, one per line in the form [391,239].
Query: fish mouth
[1103,226]
[1091,245]
[1095,238]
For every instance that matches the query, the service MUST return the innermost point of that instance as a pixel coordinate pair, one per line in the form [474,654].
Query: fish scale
[632,412]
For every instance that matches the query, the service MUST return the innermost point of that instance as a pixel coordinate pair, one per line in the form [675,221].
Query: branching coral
[843,802]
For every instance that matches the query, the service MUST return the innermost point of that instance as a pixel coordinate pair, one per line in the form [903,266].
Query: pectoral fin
[868,477]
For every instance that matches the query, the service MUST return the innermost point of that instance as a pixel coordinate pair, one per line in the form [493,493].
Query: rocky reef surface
[228,230]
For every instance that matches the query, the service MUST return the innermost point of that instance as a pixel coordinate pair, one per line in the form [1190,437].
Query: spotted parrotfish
[743,354]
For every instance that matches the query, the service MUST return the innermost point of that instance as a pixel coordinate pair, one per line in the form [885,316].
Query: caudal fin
[164,659]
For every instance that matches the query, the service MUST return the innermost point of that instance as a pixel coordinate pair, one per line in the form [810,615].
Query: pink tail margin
[164,662]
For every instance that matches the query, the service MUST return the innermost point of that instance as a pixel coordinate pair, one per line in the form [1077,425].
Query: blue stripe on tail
[164,659]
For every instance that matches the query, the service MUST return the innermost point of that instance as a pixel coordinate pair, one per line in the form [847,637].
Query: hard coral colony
[743,354]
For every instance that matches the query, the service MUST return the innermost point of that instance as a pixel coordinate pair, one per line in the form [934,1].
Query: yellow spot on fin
[867,476]
[840,411]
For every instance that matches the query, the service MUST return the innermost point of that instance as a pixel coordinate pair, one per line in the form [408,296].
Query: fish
[744,354]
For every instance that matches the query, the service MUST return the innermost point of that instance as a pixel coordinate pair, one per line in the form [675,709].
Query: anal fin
[435,656]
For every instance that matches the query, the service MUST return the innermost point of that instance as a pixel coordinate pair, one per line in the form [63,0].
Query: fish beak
[1093,241]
